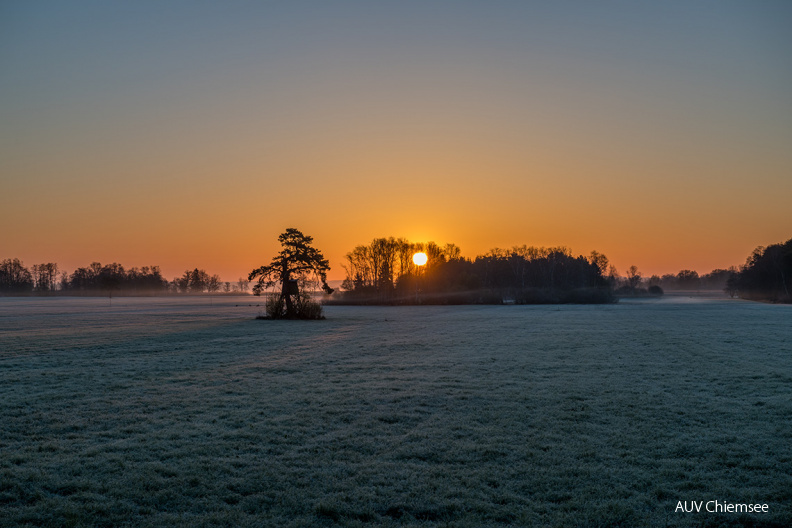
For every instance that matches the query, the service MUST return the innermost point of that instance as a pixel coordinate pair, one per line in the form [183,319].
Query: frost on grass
[152,412]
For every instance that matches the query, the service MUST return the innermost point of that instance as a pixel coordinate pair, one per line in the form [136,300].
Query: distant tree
[243,285]
[633,277]
[434,254]
[45,276]
[601,261]
[767,274]
[199,281]
[15,277]
[111,277]
[452,252]
[688,280]
[405,251]
[359,272]
[83,279]
[182,284]
[213,284]
[668,281]
[297,261]
[613,276]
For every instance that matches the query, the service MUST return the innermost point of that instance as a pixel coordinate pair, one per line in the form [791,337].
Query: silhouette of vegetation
[113,278]
[15,277]
[198,281]
[296,268]
[383,273]
[690,280]
[766,275]
[45,277]
[109,279]
[717,279]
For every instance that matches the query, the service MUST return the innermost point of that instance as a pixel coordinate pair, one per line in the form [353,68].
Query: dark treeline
[383,273]
[108,279]
[766,275]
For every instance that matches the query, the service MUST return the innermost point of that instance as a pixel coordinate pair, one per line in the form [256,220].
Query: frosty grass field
[188,412]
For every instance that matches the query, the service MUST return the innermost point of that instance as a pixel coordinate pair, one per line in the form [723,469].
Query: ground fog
[188,412]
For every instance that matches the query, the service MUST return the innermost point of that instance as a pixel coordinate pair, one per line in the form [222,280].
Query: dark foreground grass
[413,416]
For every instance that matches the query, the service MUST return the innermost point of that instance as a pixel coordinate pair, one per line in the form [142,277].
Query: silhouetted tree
[197,281]
[522,273]
[213,284]
[767,274]
[182,284]
[601,261]
[452,252]
[687,280]
[45,276]
[668,281]
[15,277]
[111,277]
[633,277]
[297,261]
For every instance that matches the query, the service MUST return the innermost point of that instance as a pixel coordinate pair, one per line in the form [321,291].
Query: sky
[191,134]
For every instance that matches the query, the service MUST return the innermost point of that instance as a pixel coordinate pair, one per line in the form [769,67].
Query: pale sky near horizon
[191,134]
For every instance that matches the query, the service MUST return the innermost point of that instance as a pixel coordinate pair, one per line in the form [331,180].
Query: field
[188,412]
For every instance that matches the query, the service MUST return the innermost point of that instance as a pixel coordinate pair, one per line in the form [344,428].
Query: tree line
[384,272]
[635,283]
[48,279]
[766,274]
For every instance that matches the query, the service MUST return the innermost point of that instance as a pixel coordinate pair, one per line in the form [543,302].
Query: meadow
[189,412]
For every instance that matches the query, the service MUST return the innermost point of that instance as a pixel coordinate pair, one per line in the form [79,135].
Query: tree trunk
[287,298]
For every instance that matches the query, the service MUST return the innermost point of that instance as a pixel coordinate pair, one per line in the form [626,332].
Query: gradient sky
[191,134]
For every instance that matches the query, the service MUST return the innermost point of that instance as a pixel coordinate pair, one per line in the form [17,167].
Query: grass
[189,415]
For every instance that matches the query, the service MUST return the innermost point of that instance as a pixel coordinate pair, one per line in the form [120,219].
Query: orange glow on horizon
[450,126]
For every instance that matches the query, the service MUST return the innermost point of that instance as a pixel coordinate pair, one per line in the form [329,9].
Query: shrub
[304,307]
[307,308]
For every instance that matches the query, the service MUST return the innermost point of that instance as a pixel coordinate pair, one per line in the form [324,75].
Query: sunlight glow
[419,259]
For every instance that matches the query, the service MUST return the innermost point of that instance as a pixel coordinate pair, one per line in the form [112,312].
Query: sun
[419,259]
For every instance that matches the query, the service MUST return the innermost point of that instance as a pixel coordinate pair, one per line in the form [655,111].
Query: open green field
[188,412]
